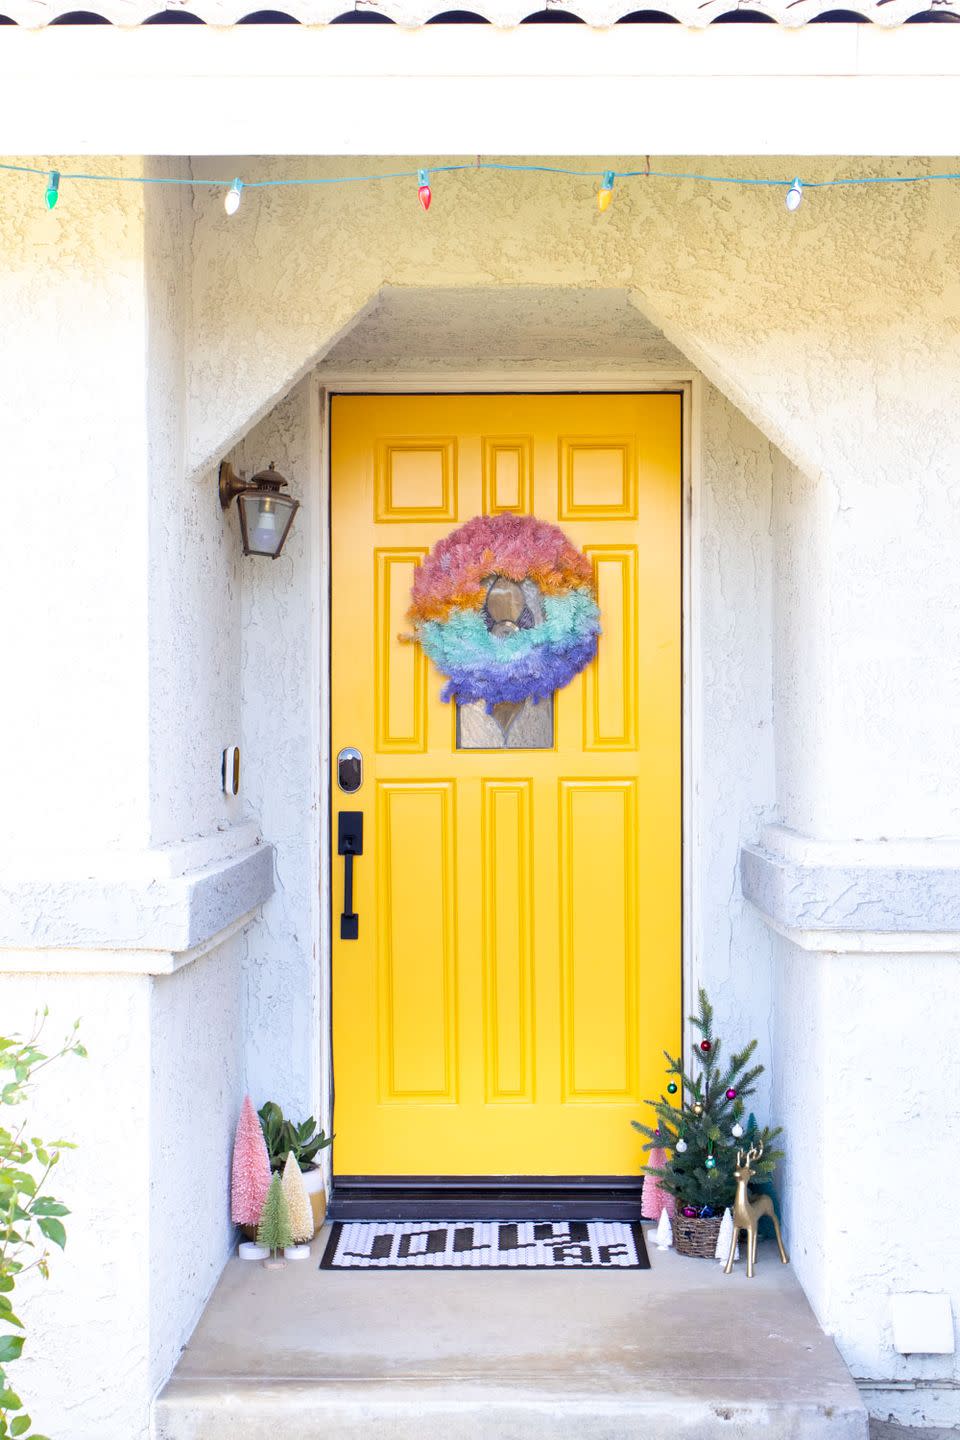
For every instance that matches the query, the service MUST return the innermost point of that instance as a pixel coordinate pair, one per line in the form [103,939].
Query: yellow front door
[516,975]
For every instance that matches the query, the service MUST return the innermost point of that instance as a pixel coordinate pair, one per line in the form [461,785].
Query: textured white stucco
[865,1030]
[118,849]
[145,339]
[282,682]
[152,1113]
[834,329]
[866,1049]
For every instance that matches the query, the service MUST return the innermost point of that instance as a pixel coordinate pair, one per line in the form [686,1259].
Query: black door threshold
[474,1197]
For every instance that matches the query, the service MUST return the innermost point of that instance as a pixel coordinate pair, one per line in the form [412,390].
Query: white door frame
[651,379]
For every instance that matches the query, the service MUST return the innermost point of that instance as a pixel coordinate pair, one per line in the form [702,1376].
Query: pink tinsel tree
[251,1168]
[655,1198]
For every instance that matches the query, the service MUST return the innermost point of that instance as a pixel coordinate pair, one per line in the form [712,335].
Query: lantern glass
[265,520]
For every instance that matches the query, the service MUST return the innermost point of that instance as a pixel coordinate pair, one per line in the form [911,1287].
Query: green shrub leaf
[53,1230]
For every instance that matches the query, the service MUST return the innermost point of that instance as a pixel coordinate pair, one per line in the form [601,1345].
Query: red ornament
[424,193]
[731,1094]
[705,1046]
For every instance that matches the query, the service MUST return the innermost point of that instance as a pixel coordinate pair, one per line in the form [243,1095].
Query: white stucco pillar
[73,373]
[126,875]
[862,882]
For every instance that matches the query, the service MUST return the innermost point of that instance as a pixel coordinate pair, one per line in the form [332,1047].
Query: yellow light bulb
[603,200]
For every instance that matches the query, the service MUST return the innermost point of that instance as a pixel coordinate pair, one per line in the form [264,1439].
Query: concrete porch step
[680,1352]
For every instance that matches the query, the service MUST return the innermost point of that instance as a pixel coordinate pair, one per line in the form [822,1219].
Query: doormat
[485,1245]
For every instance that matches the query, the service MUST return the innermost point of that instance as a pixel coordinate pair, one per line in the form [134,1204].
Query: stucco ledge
[853,896]
[151,925]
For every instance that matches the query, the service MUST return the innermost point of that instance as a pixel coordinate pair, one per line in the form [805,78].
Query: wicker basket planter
[693,1236]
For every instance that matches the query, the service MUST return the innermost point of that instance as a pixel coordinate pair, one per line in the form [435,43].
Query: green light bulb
[53,189]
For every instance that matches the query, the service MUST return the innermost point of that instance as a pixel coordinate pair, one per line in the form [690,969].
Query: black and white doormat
[485,1245]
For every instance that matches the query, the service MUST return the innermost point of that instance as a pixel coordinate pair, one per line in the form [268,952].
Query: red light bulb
[424,193]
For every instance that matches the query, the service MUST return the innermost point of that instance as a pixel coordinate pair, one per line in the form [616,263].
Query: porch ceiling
[492,327]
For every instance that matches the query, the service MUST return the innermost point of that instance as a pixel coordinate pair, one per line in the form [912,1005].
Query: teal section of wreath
[463,640]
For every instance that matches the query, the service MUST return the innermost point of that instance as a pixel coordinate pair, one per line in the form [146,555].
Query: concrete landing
[680,1352]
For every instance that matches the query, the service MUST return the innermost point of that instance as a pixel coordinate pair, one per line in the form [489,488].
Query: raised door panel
[507,881]
[416,916]
[598,929]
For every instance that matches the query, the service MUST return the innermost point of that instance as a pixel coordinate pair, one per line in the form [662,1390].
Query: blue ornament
[711,1162]
[707,1212]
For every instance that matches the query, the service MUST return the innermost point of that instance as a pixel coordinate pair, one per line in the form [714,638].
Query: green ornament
[672,1088]
[710,1162]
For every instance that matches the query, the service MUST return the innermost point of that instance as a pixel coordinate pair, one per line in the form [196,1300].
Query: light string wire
[516,168]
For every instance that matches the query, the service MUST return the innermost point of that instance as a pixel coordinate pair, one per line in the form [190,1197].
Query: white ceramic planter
[296,1252]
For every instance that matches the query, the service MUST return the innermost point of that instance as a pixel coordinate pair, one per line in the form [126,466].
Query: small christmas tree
[725,1239]
[664,1234]
[655,1199]
[274,1231]
[251,1168]
[298,1202]
[700,1122]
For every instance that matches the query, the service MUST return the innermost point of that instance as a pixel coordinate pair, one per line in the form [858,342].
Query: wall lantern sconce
[265,515]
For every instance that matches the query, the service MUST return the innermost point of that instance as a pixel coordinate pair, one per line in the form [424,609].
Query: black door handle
[349,844]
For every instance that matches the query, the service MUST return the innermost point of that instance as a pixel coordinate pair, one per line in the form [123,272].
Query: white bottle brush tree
[700,1125]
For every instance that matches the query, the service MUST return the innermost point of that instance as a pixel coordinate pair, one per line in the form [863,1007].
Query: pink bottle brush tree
[655,1199]
[251,1168]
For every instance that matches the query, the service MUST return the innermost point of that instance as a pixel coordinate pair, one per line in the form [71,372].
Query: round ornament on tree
[681,1146]
[706,1046]
[697,1108]
[736,1131]
[731,1094]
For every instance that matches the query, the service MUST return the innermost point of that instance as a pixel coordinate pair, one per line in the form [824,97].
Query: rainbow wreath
[546,642]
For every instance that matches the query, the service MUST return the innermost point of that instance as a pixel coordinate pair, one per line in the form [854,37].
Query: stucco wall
[151,1112]
[834,331]
[122,658]
[72,296]
[283,679]
[193,623]
[865,1040]
[198,1042]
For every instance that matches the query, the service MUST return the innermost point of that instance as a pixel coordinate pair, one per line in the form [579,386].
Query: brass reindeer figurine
[747,1213]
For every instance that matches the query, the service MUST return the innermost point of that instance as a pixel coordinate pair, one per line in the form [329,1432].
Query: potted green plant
[304,1141]
[699,1128]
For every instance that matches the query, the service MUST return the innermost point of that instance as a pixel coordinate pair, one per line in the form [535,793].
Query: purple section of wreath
[534,675]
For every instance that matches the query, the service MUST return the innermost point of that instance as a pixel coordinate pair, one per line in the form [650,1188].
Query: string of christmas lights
[794,189]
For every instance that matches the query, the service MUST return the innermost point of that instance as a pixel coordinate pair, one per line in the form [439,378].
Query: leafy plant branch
[29,1217]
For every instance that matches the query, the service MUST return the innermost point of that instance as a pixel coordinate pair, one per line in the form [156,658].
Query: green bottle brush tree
[700,1122]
